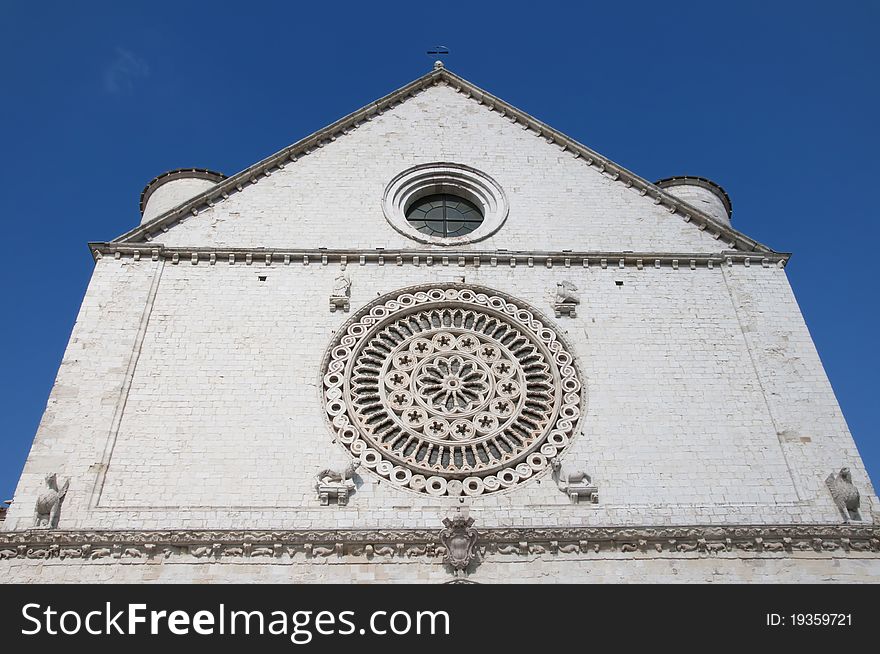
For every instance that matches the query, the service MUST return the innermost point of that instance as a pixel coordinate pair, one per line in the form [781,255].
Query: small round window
[444,215]
[444,204]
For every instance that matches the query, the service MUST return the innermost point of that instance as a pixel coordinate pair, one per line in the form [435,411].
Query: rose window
[448,391]
[451,384]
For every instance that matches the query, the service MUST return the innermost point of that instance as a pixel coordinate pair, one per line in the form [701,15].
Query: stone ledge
[447,258]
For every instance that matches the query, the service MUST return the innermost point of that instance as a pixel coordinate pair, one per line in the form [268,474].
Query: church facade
[440,341]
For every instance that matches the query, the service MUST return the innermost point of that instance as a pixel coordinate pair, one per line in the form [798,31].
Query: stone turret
[702,194]
[173,188]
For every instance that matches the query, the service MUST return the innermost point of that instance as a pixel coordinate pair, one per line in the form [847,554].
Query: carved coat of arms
[460,540]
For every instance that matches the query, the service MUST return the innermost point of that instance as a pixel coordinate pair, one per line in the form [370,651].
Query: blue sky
[777,102]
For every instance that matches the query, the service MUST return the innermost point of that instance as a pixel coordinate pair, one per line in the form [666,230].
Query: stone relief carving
[428,544]
[450,390]
[567,299]
[577,485]
[460,540]
[339,297]
[845,494]
[48,509]
[332,485]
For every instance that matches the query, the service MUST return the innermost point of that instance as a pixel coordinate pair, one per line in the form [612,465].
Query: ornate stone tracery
[448,390]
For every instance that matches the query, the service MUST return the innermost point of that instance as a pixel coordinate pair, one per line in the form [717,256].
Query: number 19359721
[809,620]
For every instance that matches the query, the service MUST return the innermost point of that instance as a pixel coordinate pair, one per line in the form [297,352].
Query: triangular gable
[240,182]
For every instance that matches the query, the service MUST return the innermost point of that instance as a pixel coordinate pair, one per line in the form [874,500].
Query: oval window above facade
[444,215]
[445,204]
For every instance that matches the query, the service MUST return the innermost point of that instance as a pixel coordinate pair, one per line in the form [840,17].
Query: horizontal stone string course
[424,543]
[600,260]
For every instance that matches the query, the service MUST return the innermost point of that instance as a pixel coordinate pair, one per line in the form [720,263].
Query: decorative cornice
[265,168]
[426,257]
[425,544]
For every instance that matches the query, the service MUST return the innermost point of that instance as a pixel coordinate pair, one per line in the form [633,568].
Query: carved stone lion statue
[566,293]
[577,484]
[328,476]
[48,508]
[330,484]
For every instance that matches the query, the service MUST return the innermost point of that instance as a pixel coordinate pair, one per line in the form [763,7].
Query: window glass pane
[454,225]
[443,214]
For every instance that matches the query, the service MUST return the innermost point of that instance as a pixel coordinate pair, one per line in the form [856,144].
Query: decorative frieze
[427,544]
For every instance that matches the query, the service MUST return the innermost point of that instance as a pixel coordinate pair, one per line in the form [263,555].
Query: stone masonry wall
[200,405]
[770,569]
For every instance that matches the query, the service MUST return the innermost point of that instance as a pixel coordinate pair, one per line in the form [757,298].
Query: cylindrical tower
[173,188]
[701,193]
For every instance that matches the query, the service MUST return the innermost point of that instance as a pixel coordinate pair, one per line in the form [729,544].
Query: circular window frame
[490,300]
[418,182]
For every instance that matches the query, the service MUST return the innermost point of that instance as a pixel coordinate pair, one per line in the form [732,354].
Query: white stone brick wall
[766,569]
[87,393]
[222,426]
[800,401]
